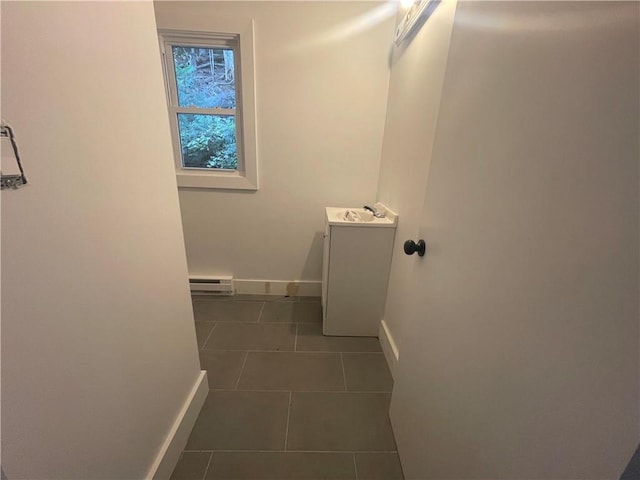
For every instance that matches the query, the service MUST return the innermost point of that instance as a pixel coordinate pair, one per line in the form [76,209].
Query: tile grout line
[286,432]
[324,352]
[355,465]
[206,470]
[293,451]
[310,352]
[261,310]
[269,322]
[295,341]
[244,362]
[209,336]
[344,373]
[282,390]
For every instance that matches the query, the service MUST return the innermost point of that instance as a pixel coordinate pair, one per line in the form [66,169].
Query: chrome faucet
[375,212]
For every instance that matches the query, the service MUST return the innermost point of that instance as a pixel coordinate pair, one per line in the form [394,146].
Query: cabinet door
[357,281]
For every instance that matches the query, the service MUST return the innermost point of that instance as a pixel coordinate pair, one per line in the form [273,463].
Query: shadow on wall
[312,268]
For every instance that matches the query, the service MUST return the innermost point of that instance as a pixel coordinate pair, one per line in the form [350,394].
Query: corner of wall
[176,439]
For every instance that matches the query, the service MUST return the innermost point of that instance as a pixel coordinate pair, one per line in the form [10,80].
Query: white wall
[98,343]
[520,351]
[415,87]
[321,85]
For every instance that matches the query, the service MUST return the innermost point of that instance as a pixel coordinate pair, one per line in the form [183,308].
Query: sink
[358,216]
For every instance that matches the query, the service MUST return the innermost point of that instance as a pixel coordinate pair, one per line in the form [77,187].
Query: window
[210,92]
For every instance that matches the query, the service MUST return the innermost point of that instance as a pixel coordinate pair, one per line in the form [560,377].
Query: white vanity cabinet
[355,272]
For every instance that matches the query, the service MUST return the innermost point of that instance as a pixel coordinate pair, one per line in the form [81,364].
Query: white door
[519,358]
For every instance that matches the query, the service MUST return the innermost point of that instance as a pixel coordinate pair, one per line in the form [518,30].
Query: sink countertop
[335,216]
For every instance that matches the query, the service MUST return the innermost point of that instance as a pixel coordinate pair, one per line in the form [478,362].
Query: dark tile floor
[285,402]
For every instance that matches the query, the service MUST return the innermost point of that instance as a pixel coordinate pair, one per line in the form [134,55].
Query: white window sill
[222,180]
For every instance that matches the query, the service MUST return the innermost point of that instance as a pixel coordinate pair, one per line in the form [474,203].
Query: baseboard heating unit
[221,285]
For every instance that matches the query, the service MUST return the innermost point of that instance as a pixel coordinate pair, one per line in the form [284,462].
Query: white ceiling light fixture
[416,9]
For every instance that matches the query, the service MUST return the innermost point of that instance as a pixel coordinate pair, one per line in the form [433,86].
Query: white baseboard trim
[389,347]
[292,288]
[174,444]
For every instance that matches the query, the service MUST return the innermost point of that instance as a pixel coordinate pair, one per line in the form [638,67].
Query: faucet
[375,212]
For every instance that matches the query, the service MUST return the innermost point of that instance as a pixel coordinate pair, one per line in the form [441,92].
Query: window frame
[237,36]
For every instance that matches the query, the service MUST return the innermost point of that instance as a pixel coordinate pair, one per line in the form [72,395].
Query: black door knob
[411,247]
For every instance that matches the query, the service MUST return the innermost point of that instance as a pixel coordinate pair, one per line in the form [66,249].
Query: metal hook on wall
[16,180]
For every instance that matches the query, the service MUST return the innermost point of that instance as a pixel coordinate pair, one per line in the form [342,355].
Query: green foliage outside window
[208,141]
[205,78]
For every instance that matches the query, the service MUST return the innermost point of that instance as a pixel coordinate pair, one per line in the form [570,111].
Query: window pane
[208,141]
[205,77]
